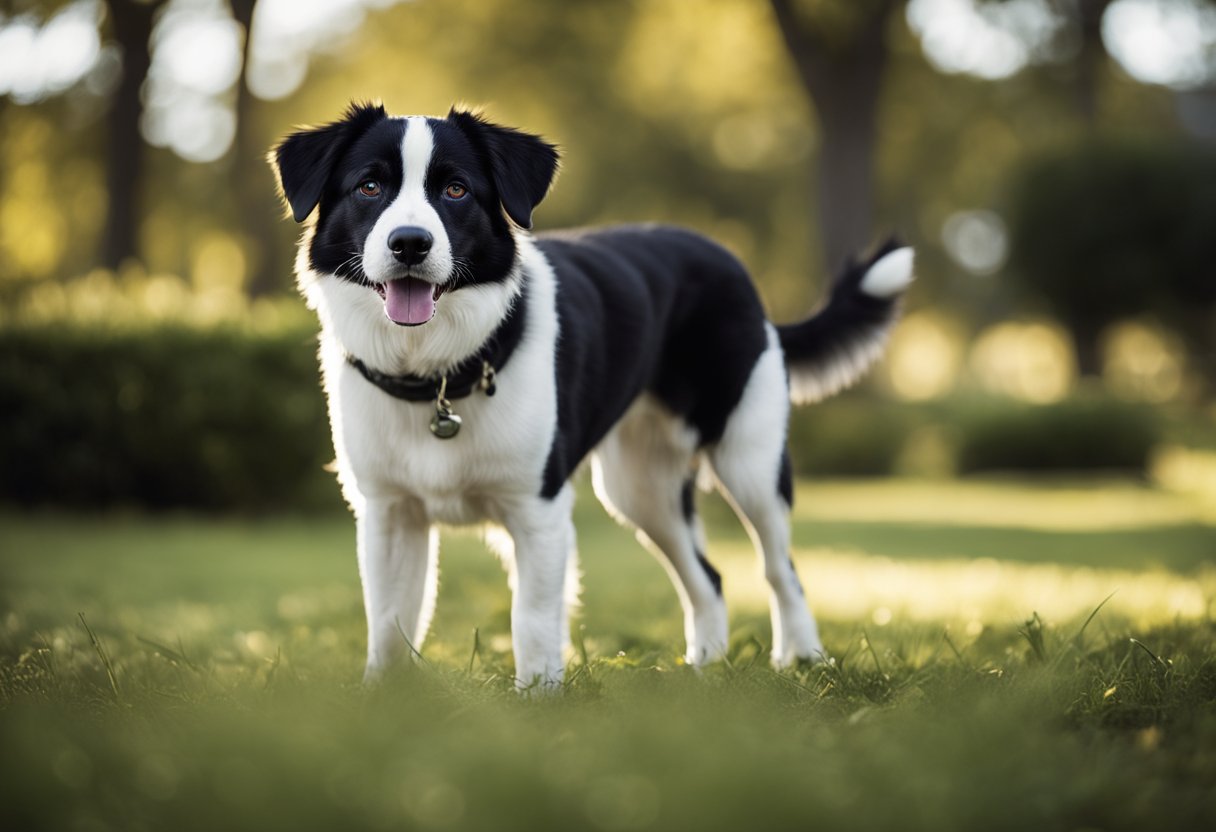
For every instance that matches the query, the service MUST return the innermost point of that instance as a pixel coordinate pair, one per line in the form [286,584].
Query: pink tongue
[409,301]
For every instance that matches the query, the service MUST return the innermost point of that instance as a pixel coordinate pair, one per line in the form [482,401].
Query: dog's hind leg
[398,564]
[643,474]
[753,474]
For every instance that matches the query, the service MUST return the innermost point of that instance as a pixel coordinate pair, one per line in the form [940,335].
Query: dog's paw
[539,685]
[800,660]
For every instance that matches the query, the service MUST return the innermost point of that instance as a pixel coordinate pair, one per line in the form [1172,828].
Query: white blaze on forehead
[410,207]
[416,150]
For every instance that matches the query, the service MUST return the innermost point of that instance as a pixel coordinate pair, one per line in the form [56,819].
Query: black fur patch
[521,164]
[306,159]
[714,577]
[785,479]
[849,316]
[688,500]
[797,581]
[651,309]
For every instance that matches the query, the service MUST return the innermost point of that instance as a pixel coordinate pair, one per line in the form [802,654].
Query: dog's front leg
[542,533]
[398,554]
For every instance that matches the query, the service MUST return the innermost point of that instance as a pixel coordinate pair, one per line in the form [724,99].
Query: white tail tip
[890,275]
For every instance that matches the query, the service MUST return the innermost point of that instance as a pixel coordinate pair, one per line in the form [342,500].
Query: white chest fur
[385,446]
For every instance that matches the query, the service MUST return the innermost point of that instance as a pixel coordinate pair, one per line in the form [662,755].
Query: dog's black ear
[304,160]
[523,165]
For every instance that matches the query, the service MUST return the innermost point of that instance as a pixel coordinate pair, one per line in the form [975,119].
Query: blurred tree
[255,202]
[1086,18]
[126,153]
[1078,45]
[700,114]
[1107,229]
[1079,50]
[840,51]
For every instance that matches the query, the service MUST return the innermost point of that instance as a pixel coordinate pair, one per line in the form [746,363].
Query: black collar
[476,371]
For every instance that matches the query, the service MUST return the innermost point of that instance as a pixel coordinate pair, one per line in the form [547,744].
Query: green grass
[190,673]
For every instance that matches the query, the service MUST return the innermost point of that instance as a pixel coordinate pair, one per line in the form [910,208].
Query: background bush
[165,418]
[226,419]
[857,435]
[1087,433]
[868,435]
[1113,229]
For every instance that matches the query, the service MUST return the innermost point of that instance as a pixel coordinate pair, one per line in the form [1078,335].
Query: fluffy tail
[833,348]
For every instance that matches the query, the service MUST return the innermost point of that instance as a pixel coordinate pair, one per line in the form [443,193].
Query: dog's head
[412,208]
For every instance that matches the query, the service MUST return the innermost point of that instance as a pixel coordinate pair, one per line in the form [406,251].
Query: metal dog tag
[446,424]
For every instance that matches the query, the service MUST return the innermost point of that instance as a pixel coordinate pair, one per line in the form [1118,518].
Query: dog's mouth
[409,301]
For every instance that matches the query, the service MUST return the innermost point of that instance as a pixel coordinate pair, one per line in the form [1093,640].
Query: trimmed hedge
[162,419]
[853,435]
[862,434]
[1081,434]
[227,420]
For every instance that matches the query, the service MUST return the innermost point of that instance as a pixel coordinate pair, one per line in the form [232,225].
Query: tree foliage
[791,130]
[1113,229]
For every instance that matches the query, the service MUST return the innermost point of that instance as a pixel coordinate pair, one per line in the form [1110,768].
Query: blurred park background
[1053,162]
[1008,530]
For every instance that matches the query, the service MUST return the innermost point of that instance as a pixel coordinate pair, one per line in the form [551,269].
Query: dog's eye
[370,188]
[455,191]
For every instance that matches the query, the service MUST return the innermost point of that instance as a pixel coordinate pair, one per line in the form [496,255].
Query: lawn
[192,673]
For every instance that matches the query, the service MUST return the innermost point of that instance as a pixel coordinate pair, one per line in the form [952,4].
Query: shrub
[866,435]
[1111,229]
[1081,434]
[225,419]
[858,435]
[172,417]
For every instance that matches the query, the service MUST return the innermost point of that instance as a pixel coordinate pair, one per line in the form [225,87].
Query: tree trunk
[256,205]
[1092,58]
[1087,346]
[1197,326]
[843,78]
[126,152]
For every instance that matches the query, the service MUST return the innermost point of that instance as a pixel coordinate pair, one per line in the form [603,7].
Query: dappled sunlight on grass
[1047,506]
[978,554]
[978,593]
[191,673]
[968,556]
[932,552]
[1189,472]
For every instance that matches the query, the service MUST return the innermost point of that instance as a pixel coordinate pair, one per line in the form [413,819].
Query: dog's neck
[465,321]
[478,371]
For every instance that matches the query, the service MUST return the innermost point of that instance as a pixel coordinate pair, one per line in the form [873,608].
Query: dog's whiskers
[354,264]
[462,271]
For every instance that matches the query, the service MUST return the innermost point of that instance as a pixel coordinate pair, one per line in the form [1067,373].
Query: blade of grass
[169,653]
[105,658]
[1032,631]
[873,653]
[274,666]
[760,651]
[958,654]
[581,645]
[790,680]
[1161,663]
[408,643]
[1078,639]
[476,654]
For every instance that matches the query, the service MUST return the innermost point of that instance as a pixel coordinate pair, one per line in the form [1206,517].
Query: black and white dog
[471,367]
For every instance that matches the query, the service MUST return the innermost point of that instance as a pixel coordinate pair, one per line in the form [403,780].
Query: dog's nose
[410,244]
